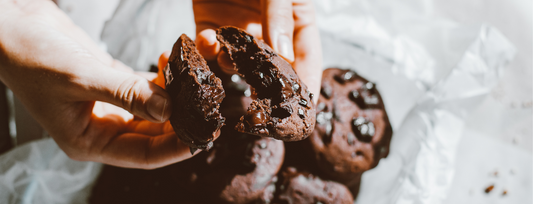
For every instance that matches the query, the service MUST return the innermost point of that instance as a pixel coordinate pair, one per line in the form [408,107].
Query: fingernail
[157,106]
[285,47]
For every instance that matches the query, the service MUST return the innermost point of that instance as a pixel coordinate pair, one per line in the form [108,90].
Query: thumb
[133,93]
[278,26]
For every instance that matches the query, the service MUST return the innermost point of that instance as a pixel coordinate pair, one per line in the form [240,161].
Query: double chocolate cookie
[353,131]
[302,188]
[243,169]
[196,94]
[283,108]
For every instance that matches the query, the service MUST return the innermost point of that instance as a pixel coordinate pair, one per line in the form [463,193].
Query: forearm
[44,21]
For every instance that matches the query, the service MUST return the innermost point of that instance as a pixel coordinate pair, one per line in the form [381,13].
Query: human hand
[287,26]
[59,74]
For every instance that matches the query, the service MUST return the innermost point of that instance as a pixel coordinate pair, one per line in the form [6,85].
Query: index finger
[307,48]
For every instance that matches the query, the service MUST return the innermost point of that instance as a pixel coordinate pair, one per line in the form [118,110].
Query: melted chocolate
[256,119]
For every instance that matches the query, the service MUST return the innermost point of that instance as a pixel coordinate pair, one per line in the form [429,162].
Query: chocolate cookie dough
[196,94]
[353,131]
[302,188]
[283,108]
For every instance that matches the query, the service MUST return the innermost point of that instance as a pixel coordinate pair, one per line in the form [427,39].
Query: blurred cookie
[302,188]
[353,131]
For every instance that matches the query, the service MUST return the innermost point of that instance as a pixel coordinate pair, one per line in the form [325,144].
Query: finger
[225,63]
[103,142]
[161,64]
[147,128]
[133,150]
[207,44]
[278,26]
[308,52]
[121,66]
[102,109]
[131,92]
[150,76]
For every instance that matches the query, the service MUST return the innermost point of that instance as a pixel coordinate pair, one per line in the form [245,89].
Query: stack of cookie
[271,161]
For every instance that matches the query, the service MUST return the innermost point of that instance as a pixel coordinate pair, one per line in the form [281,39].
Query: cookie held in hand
[283,109]
[196,94]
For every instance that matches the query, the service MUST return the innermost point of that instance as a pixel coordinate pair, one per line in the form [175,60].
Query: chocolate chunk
[296,88]
[344,76]
[329,129]
[301,113]
[336,112]
[256,118]
[369,86]
[328,132]
[326,90]
[263,145]
[324,117]
[363,129]
[358,99]
[371,100]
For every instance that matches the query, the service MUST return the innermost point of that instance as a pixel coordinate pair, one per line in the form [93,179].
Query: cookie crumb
[504,193]
[489,189]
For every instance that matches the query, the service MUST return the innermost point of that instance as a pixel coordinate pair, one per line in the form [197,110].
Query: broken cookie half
[196,94]
[283,109]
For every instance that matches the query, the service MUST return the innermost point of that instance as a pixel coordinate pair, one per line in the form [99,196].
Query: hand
[287,26]
[58,73]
